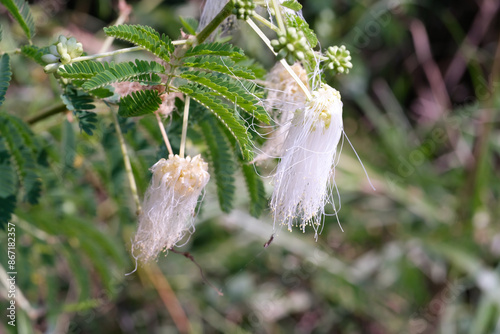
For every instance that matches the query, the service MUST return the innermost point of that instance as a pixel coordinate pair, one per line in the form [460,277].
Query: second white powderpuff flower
[283,98]
[309,156]
[169,204]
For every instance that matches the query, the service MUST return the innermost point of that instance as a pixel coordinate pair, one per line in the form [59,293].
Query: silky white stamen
[283,98]
[310,148]
[169,204]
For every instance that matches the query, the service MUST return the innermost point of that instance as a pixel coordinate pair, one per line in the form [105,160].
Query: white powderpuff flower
[283,98]
[310,149]
[284,92]
[169,204]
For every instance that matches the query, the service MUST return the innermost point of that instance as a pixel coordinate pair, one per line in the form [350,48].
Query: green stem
[47,112]
[128,166]
[107,54]
[180,42]
[283,61]
[16,51]
[164,134]
[265,22]
[277,13]
[209,29]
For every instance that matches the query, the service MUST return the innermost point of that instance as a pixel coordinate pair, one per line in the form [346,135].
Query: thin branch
[128,166]
[277,13]
[431,69]
[180,42]
[184,126]
[283,61]
[15,51]
[472,191]
[168,297]
[164,134]
[265,22]
[191,258]
[124,10]
[209,29]
[487,11]
[47,112]
[107,54]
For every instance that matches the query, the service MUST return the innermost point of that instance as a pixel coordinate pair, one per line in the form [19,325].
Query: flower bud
[50,58]
[51,68]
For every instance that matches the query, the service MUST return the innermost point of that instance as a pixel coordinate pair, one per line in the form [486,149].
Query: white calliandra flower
[310,148]
[283,98]
[169,204]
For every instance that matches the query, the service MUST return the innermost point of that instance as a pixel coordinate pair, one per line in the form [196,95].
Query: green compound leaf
[216,49]
[83,70]
[80,102]
[8,181]
[300,24]
[292,4]
[190,24]
[35,53]
[5,76]
[139,103]
[144,36]
[255,186]
[7,207]
[225,116]
[217,64]
[20,10]
[234,93]
[18,162]
[221,158]
[140,71]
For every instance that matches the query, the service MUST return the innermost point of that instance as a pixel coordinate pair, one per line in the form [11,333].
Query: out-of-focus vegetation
[418,255]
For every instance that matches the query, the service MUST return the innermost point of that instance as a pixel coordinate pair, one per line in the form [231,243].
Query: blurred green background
[418,255]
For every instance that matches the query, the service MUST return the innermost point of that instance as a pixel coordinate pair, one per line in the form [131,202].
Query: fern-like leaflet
[83,70]
[225,116]
[5,76]
[221,159]
[221,65]
[139,103]
[140,71]
[216,49]
[20,10]
[35,53]
[80,103]
[19,155]
[231,91]
[144,36]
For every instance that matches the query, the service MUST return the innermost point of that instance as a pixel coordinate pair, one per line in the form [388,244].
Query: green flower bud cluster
[243,9]
[291,45]
[339,59]
[62,52]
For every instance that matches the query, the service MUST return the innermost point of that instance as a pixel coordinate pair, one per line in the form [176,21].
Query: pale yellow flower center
[185,175]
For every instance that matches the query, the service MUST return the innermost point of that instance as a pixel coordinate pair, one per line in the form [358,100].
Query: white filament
[283,98]
[307,165]
[169,204]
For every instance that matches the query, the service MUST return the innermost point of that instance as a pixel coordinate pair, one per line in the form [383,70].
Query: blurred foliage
[418,255]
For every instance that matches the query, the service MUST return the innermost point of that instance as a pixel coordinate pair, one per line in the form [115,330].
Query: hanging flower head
[169,204]
[309,152]
[283,98]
